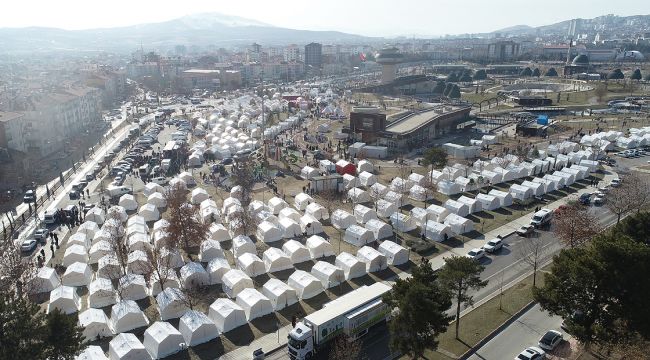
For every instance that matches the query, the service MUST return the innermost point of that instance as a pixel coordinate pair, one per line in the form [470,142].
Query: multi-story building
[291,53]
[314,55]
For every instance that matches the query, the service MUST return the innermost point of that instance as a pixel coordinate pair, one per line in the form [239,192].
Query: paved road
[524,332]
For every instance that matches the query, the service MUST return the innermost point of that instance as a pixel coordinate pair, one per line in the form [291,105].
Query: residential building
[314,55]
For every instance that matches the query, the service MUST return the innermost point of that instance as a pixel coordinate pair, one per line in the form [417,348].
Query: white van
[49,217]
[118,191]
[542,218]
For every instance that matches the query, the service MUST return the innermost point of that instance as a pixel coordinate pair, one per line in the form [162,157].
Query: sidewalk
[268,343]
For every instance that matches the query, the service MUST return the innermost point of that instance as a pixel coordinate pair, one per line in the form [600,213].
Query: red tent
[345,167]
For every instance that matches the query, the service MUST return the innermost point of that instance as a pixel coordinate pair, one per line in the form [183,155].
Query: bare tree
[345,348]
[185,227]
[623,199]
[116,239]
[574,225]
[17,274]
[243,175]
[639,187]
[242,221]
[531,253]
[159,267]
[330,199]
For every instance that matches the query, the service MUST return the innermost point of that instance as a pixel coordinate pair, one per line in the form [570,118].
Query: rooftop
[414,121]
[8,116]
[201,71]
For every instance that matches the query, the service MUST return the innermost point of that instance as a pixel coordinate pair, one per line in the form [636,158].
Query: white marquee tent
[199,195]
[226,315]
[197,328]
[126,316]
[296,251]
[46,280]
[438,213]
[269,232]
[161,339]
[458,224]
[342,219]
[192,275]
[251,264]
[242,244]
[92,352]
[210,249]
[95,215]
[367,179]
[289,227]
[394,253]
[505,199]
[402,222]
[310,225]
[149,212]
[437,231]
[216,269]
[276,204]
[306,285]
[289,213]
[65,299]
[73,254]
[328,274]
[280,294]
[472,204]
[488,202]
[317,211]
[101,293]
[255,304]
[95,324]
[235,281]
[351,266]
[301,201]
[157,199]
[77,274]
[127,346]
[374,260]
[385,209]
[134,287]
[380,230]
[456,207]
[127,201]
[319,247]
[172,303]
[276,260]
[358,236]
[363,214]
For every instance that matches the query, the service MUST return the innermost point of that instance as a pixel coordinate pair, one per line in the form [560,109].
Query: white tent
[457,208]
[296,251]
[255,304]
[328,274]
[363,214]
[172,257]
[126,316]
[73,254]
[289,227]
[210,249]
[100,249]
[488,202]
[418,193]
[101,293]
[310,225]
[192,275]
[280,294]
[139,241]
[157,199]
[127,201]
[237,192]
[251,264]
[170,279]
[307,286]
[447,187]
[472,204]
[108,267]
[395,254]
[117,212]
[199,195]
[319,247]
[505,199]
[365,165]
[242,244]
[374,260]
[438,213]
[437,232]
[492,177]
[276,260]
[197,328]
[400,185]
[161,339]
[558,181]
[538,189]
[226,315]
[380,230]
[396,198]
[92,352]
[317,211]
[139,262]
[149,212]
[569,179]
[358,195]
[289,213]
[458,224]
[591,164]
[301,201]
[171,303]
[417,179]
[151,188]
[235,281]
[349,181]
[229,202]
[269,232]
[351,266]
[187,177]
[367,179]
[77,274]
[95,215]
[216,268]
[89,228]
[127,346]
[218,232]
[276,205]
[308,173]
[358,236]
[65,299]
[46,280]
[378,190]
[521,193]
[401,222]
[80,238]
[134,287]
[466,184]
[385,209]
[95,324]
[342,219]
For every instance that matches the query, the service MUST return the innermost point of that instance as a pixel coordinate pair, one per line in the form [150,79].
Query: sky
[364,17]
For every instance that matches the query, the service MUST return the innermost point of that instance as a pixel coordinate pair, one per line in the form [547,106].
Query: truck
[351,314]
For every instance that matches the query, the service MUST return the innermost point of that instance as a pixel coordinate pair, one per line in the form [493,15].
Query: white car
[493,245]
[531,353]
[616,183]
[476,254]
[160,180]
[550,340]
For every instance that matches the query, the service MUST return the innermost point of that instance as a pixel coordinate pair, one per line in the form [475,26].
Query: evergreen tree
[439,88]
[21,329]
[454,93]
[480,75]
[536,73]
[62,337]
[616,75]
[551,72]
[453,77]
[527,72]
[636,75]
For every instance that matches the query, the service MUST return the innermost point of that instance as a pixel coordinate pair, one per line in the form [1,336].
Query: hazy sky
[365,17]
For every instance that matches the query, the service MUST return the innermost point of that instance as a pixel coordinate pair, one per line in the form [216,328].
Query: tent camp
[79,238]
[437,213]
[459,225]
[492,177]
[488,202]
[235,281]
[193,275]
[255,304]
[127,346]
[473,204]
[521,193]
[108,267]
[198,195]
[306,285]
[197,328]
[301,201]
[269,232]
[73,254]
[77,274]
[226,315]
[378,190]
[289,228]
[172,303]
[117,212]
[505,199]
[342,219]
[328,274]
[448,187]
[290,213]
[456,207]
[437,231]
[95,324]
[380,230]
[418,193]
[149,212]
[65,299]
[558,181]
[569,178]
[351,266]
[276,205]
[310,226]
[127,201]
[280,294]
[210,249]
[187,177]
[319,247]
[358,195]
[385,209]
[374,260]
[101,293]
[402,222]
[151,188]
[251,264]
[276,260]
[242,244]
[88,228]
[358,236]
[296,251]
[394,253]
[126,316]
[317,211]
[396,198]
[46,280]
[538,189]
[308,173]
[134,287]
[367,179]
[98,250]
[161,339]
[138,262]
[363,214]
[138,241]
[216,268]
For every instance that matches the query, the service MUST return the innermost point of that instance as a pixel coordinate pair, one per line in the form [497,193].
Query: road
[522,333]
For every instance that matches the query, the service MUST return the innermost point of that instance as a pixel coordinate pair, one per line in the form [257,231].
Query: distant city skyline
[370,18]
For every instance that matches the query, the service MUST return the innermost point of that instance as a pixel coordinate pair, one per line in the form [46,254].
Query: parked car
[41,234]
[493,245]
[616,183]
[30,196]
[599,199]
[531,353]
[550,340]
[74,195]
[525,230]
[476,254]
[28,245]
[542,218]
[160,180]
[585,199]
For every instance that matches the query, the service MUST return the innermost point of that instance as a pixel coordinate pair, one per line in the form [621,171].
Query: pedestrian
[43,252]
[88,193]
[51,249]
